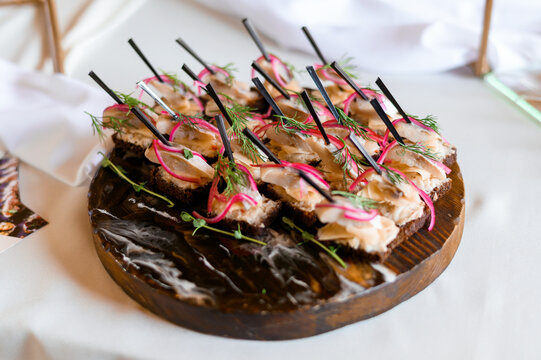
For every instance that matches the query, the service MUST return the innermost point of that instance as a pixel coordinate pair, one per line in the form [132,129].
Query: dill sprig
[177,83]
[420,149]
[429,121]
[352,125]
[345,158]
[231,175]
[106,162]
[239,117]
[345,63]
[202,224]
[107,122]
[133,102]
[310,237]
[357,200]
[290,125]
[230,69]
[392,175]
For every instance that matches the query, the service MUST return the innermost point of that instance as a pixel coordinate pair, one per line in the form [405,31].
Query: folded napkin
[389,36]
[43,122]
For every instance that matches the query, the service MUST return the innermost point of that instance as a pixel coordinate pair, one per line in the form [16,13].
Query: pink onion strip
[234,199]
[168,170]
[423,196]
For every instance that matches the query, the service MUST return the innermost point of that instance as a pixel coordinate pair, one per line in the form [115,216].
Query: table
[58,302]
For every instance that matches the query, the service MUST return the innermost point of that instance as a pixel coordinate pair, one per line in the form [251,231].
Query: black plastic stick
[273,82]
[214,96]
[391,98]
[364,153]
[379,110]
[190,73]
[108,90]
[259,85]
[144,58]
[257,142]
[310,107]
[135,110]
[194,54]
[314,45]
[312,183]
[223,134]
[255,37]
[323,92]
[338,69]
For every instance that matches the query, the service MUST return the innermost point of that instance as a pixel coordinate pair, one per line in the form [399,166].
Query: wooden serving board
[222,286]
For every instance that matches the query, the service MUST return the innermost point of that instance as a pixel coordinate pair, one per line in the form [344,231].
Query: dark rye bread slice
[126,142]
[404,232]
[163,182]
[450,159]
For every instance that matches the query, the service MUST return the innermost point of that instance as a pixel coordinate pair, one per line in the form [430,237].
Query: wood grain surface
[417,262]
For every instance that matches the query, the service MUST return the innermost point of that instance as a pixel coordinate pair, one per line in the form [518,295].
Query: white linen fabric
[390,36]
[43,122]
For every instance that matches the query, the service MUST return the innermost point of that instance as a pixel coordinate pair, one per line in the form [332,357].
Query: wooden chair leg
[481,65]
[55,49]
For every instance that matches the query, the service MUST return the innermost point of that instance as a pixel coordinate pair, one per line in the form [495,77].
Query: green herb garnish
[310,237]
[352,125]
[202,224]
[345,158]
[345,63]
[239,117]
[392,175]
[290,125]
[133,102]
[429,121]
[357,200]
[106,162]
[420,149]
[188,154]
[231,174]
[108,122]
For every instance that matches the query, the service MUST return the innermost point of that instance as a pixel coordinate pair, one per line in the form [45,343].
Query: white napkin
[390,36]
[42,121]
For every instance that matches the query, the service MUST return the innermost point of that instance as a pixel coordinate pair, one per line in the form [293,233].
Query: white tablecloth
[57,301]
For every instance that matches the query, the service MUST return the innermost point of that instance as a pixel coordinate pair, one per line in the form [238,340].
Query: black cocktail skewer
[310,107]
[321,88]
[144,58]
[214,96]
[391,98]
[135,110]
[375,104]
[158,99]
[190,73]
[314,45]
[223,134]
[259,85]
[273,82]
[107,89]
[379,110]
[352,136]
[338,69]
[194,54]
[273,157]
[257,142]
[255,37]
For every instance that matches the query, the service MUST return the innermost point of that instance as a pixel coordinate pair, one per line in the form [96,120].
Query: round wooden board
[417,262]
